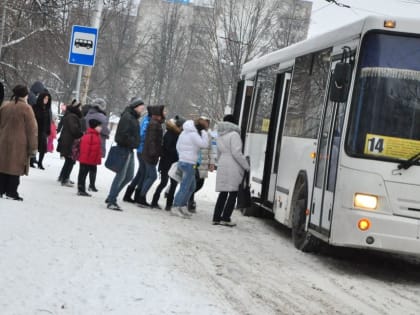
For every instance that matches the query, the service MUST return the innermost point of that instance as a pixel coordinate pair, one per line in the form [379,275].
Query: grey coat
[231,163]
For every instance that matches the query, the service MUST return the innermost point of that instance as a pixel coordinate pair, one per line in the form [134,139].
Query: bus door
[259,141]
[274,137]
[326,167]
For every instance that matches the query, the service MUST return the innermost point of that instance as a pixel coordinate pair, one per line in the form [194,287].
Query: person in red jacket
[90,154]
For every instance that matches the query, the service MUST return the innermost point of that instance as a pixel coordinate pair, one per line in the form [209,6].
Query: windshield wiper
[410,162]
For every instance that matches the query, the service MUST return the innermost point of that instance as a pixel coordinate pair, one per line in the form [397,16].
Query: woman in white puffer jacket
[189,143]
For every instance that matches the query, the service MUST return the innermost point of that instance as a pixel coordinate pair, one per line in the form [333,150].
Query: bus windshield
[385,114]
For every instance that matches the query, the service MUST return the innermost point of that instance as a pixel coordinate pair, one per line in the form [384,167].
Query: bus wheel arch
[302,239]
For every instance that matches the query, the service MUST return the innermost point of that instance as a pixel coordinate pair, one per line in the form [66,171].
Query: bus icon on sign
[86,43]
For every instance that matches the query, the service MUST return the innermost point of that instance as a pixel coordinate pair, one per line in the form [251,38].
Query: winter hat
[179,121]
[136,101]
[100,103]
[229,118]
[93,123]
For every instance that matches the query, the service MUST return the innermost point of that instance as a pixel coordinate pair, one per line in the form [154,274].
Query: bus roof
[285,56]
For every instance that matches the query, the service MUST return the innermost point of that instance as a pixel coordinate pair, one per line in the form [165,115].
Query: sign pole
[78,82]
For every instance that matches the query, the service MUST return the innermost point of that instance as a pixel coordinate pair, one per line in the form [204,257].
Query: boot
[40,159]
[137,196]
[143,203]
[32,162]
[127,195]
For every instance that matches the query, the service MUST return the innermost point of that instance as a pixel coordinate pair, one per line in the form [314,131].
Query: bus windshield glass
[385,114]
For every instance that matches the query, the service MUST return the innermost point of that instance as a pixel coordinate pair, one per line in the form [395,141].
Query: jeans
[149,178]
[224,206]
[141,171]
[121,179]
[187,185]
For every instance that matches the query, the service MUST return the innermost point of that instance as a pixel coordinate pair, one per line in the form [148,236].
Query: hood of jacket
[40,99]
[37,87]
[189,126]
[225,127]
[172,126]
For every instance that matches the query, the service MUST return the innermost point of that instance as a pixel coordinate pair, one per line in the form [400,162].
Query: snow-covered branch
[21,39]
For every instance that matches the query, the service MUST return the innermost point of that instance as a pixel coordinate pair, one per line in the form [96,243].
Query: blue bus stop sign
[83,45]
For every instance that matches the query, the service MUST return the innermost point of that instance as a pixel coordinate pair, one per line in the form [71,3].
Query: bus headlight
[363,201]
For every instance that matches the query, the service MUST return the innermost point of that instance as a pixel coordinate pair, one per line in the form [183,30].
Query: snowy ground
[65,254]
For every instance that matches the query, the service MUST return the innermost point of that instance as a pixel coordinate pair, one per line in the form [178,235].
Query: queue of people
[185,147]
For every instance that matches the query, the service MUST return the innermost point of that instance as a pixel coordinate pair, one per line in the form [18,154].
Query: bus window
[307,94]
[386,101]
[266,81]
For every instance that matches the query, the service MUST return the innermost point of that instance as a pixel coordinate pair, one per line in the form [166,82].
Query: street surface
[65,254]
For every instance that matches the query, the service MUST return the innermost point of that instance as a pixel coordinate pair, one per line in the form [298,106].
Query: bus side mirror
[340,82]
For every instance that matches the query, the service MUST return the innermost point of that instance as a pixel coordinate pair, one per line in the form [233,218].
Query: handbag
[175,173]
[75,149]
[244,199]
[116,158]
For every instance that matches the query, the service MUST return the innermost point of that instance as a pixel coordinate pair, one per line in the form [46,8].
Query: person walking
[231,165]
[1,93]
[97,111]
[18,141]
[71,131]
[152,150]
[169,156]
[188,147]
[137,182]
[205,163]
[90,154]
[42,110]
[127,138]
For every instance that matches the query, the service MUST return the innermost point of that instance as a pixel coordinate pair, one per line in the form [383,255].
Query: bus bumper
[387,233]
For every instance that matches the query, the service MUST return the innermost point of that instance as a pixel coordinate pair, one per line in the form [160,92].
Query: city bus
[332,128]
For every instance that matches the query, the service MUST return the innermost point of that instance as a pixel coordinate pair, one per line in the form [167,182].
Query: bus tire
[301,238]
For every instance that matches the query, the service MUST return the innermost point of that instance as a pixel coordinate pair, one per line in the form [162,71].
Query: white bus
[332,128]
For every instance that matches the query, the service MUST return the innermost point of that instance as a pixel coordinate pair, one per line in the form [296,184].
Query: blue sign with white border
[83,45]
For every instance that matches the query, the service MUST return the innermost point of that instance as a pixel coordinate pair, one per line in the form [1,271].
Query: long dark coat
[43,118]
[153,141]
[72,130]
[18,137]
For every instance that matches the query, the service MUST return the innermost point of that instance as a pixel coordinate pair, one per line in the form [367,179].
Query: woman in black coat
[72,130]
[42,110]
[169,156]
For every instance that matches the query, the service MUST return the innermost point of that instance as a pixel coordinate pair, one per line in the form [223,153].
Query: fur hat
[100,103]
[93,123]
[136,101]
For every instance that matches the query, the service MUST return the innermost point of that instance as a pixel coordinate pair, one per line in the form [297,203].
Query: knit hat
[179,121]
[93,123]
[136,101]
[100,103]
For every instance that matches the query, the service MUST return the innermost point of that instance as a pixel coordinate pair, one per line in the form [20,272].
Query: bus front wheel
[301,238]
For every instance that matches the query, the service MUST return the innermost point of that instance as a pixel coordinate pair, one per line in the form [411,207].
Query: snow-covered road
[65,254]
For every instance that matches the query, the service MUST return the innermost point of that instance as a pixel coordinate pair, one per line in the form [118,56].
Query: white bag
[175,173]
